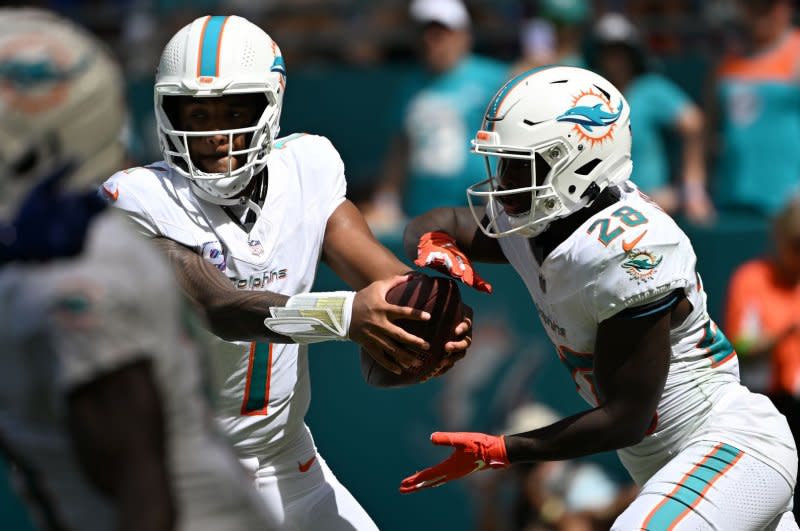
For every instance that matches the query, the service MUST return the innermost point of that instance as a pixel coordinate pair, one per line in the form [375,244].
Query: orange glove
[438,251]
[473,452]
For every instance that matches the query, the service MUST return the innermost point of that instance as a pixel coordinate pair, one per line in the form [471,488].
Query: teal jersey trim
[258,381]
[718,348]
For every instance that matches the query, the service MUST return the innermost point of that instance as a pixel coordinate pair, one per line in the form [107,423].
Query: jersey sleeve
[150,201]
[322,174]
[129,203]
[642,266]
[99,319]
[95,333]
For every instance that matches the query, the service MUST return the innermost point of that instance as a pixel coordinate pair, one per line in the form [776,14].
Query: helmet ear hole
[587,168]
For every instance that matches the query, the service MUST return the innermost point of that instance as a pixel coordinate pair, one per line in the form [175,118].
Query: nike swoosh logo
[628,247]
[303,467]
[113,195]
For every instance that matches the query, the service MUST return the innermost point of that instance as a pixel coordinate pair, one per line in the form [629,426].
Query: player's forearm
[142,503]
[438,219]
[589,432]
[694,170]
[231,314]
[460,225]
[239,316]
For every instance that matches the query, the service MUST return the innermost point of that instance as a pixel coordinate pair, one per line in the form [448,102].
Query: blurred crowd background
[715,90]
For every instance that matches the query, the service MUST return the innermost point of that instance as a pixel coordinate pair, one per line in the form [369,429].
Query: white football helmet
[61,101]
[211,57]
[571,127]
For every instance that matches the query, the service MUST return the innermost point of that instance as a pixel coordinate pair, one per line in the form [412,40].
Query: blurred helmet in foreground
[61,101]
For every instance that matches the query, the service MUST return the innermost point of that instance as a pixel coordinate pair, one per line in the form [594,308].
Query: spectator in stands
[658,106]
[441,108]
[756,98]
[763,313]
[554,35]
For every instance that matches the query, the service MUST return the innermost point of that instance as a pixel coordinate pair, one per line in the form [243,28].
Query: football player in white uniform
[246,218]
[614,283]
[103,404]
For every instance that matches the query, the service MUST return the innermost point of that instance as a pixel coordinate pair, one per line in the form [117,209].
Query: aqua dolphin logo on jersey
[35,72]
[593,115]
[213,254]
[641,265]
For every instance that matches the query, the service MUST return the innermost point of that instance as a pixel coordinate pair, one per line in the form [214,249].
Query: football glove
[438,251]
[50,223]
[473,452]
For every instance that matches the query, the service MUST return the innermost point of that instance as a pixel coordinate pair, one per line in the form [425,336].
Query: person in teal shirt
[440,110]
[657,106]
[552,34]
[758,101]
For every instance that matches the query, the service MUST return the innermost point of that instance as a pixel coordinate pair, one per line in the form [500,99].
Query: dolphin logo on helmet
[589,117]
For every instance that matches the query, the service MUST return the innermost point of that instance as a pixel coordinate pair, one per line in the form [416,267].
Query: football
[438,296]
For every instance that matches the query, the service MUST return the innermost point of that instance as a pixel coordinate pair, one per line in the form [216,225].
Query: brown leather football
[438,296]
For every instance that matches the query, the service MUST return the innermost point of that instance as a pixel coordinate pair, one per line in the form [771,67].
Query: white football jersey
[631,254]
[264,392]
[68,322]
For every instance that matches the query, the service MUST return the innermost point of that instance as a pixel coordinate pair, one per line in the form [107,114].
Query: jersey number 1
[259,371]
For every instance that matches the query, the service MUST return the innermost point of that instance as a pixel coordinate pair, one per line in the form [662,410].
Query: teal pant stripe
[690,489]
[258,378]
[208,54]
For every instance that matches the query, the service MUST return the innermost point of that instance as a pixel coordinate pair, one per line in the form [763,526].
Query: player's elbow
[218,320]
[632,424]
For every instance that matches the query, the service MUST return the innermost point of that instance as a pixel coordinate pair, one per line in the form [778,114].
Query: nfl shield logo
[255,247]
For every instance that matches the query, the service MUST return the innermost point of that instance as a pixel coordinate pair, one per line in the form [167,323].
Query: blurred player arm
[460,225]
[117,426]
[690,125]
[231,314]
[384,211]
[744,322]
[632,359]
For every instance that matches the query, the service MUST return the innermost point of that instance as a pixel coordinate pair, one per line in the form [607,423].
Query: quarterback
[245,218]
[614,283]
[103,407]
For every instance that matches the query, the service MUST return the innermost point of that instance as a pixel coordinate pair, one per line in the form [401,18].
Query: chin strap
[231,201]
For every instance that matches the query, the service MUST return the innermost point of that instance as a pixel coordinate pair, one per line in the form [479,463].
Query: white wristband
[314,317]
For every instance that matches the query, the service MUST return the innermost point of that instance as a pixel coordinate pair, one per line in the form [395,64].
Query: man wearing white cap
[432,118]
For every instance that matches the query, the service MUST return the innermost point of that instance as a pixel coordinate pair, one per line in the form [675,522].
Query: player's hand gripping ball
[441,298]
